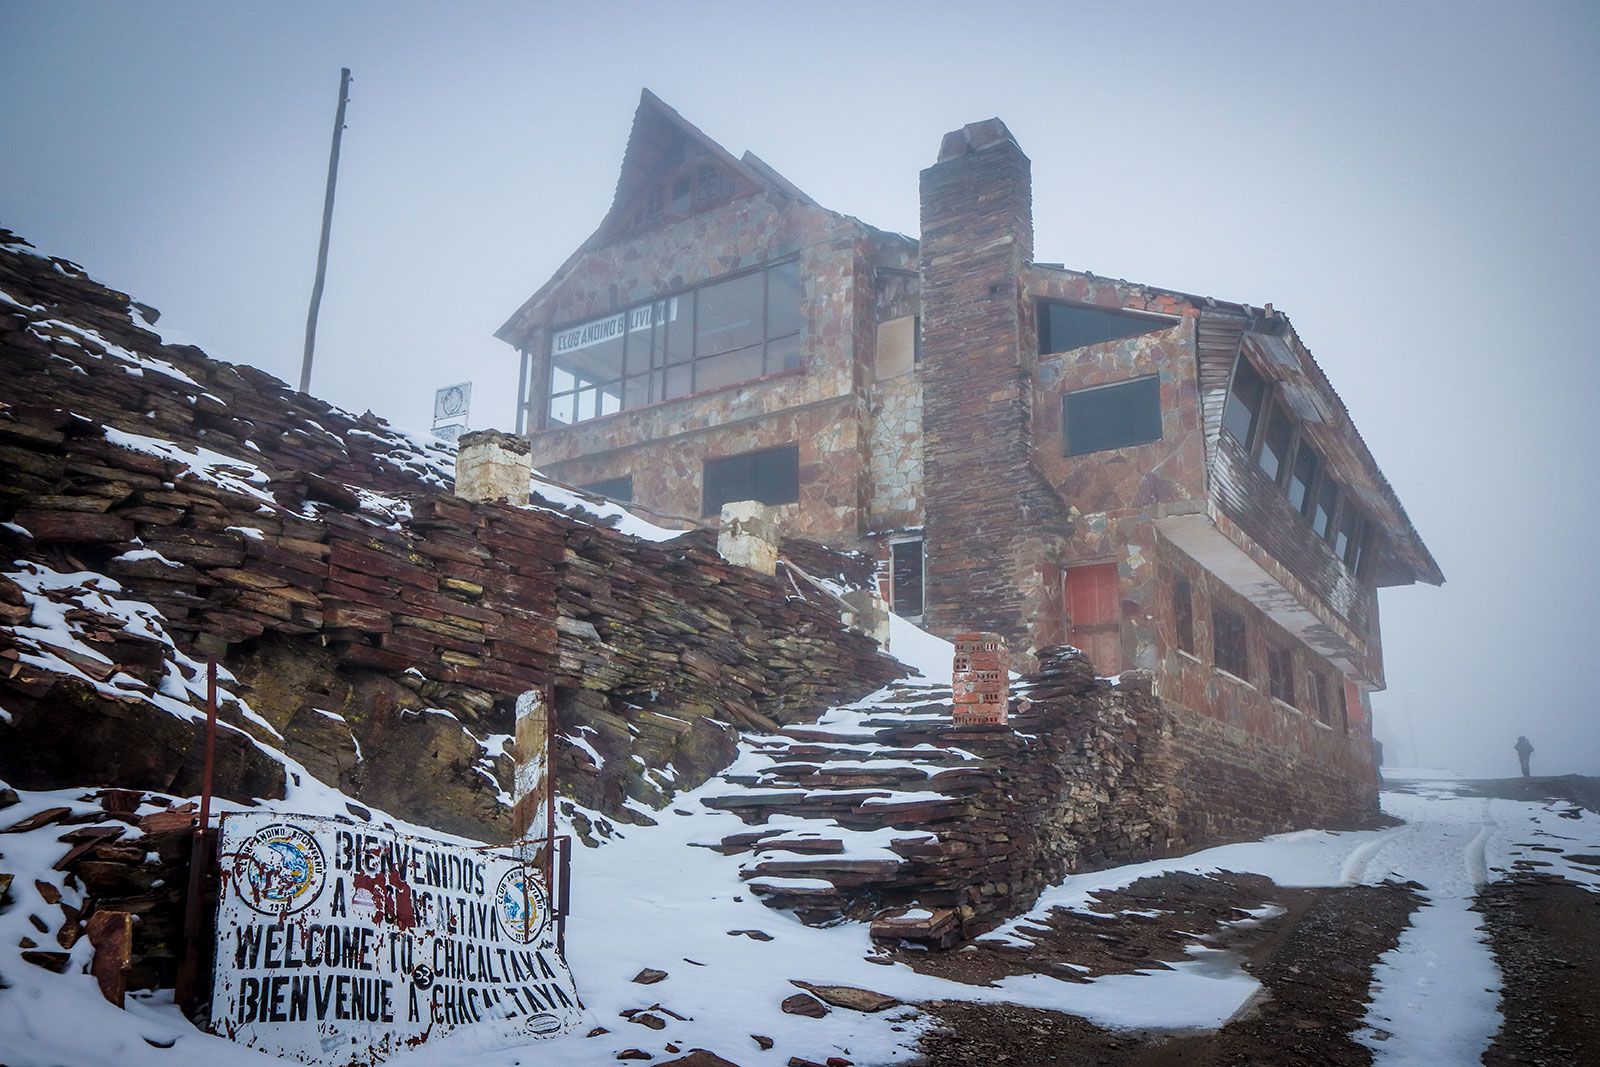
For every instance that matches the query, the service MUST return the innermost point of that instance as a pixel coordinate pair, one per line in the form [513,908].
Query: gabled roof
[658,131]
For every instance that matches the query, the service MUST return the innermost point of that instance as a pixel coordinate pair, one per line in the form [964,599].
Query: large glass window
[716,335]
[1113,416]
[1243,410]
[772,477]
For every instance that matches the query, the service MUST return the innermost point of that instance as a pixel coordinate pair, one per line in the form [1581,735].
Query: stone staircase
[873,812]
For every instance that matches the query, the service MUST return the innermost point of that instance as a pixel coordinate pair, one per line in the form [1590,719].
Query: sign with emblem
[341,943]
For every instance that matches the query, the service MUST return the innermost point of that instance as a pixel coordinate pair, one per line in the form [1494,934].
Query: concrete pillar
[748,536]
[530,744]
[493,466]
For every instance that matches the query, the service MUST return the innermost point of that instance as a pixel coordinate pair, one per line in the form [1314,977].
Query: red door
[1094,622]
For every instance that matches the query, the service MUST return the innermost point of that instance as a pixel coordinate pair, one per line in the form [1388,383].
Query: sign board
[340,943]
[451,403]
[610,327]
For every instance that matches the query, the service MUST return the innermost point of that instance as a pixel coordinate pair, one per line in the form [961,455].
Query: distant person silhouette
[1524,750]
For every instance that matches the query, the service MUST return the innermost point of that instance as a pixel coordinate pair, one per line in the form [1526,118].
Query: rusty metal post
[566,888]
[550,796]
[201,849]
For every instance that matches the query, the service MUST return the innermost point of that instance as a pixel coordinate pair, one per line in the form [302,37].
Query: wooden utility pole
[327,225]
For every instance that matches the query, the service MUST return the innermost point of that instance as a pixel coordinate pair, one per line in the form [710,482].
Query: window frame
[1257,416]
[662,366]
[597,488]
[1041,318]
[1280,673]
[1066,420]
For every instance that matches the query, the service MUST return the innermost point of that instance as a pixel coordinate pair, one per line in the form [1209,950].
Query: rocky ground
[1312,950]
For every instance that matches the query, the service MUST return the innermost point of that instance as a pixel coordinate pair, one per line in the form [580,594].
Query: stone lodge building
[1166,481]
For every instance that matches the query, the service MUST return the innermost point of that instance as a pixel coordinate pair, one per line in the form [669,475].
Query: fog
[1416,188]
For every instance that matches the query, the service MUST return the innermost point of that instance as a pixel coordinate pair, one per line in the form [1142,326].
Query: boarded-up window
[772,477]
[1229,649]
[1113,416]
[1183,613]
[1093,615]
[905,559]
[1280,672]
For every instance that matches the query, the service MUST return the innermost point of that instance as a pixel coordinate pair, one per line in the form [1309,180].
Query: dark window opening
[1319,697]
[680,195]
[1280,673]
[1113,416]
[1243,410]
[772,477]
[1302,476]
[618,489]
[1064,327]
[1229,648]
[1183,613]
[1275,443]
[905,561]
[708,184]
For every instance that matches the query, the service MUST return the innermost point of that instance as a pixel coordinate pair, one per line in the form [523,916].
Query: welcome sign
[340,943]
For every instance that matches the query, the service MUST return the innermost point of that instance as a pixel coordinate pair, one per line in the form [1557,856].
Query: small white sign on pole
[451,407]
[340,943]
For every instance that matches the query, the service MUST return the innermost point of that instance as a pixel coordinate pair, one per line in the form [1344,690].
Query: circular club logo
[523,909]
[279,869]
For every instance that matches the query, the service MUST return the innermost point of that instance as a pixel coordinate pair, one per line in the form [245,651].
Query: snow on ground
[599,510]
[930,656]
[649,897]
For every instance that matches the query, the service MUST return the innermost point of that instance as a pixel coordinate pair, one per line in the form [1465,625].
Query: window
[1094,615]
[1245,399]
[1320,702]
[1280,673]
[1275,443]
[772,477]
[1113,416]
[1064,327]
[1350,540]
[1183,613]
[619,489]
[1323,510]
[905,564]
[1302,476]
[1229,649]
[716,335]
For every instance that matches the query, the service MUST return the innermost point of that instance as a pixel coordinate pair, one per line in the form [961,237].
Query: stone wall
[377,628]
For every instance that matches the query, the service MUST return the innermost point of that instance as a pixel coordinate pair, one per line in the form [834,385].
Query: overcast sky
[1416,185]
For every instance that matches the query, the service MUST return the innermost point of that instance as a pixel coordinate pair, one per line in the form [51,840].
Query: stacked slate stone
[378,628]
[990,815]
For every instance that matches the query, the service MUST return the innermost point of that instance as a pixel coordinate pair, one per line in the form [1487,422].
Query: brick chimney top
[493,465]
[974,137]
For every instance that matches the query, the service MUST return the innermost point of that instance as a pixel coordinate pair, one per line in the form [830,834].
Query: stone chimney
[492,465]
[991,519]
[747,535]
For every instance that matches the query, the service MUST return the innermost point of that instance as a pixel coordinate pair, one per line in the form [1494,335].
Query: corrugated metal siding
[1217,339]
[1246,495]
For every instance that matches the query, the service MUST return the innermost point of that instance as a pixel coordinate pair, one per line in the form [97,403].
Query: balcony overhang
[1218,545]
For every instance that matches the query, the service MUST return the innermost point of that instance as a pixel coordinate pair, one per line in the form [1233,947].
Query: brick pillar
[993,525]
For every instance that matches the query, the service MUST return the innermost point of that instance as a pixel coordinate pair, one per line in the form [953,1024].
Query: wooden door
[1094,617]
